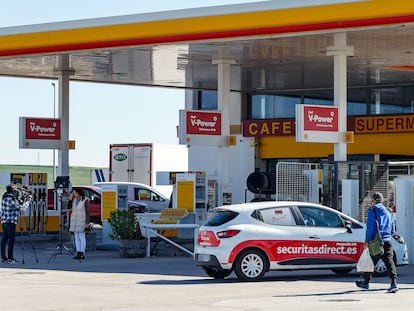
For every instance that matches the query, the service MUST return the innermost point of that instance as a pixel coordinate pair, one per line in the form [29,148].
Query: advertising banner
[203,123]
[317,124]
[42,128]
[39,133]
[202,128]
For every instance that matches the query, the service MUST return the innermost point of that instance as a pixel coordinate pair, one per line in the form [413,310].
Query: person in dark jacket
[9,217]
[380,219]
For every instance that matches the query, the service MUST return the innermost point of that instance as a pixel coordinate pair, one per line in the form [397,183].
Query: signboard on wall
[317,124]
[39,133]
[269,127]
[358,124]
[201,128]
[203,123]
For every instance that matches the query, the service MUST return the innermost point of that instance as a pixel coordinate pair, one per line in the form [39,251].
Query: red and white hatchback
[253,238]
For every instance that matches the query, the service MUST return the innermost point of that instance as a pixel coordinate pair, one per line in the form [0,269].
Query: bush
[124,225]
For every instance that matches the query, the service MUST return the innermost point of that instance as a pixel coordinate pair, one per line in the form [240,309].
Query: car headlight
[398,238]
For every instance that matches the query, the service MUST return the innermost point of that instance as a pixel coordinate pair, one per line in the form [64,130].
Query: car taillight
[207,238]
[227,233]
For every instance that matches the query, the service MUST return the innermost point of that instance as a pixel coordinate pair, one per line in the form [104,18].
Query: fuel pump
[34,216]
[113,197]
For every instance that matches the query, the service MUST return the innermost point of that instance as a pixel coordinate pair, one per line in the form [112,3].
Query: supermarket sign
[39,133]
[317,124]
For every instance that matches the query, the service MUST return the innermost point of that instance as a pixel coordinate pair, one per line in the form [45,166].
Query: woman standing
[79,220]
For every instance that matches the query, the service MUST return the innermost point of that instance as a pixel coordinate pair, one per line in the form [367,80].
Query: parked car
[91,192]
[253,238]
[141,197]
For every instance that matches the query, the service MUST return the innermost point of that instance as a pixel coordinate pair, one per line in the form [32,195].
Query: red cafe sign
[203,123]
[46,129]
[357,124]
[271,127]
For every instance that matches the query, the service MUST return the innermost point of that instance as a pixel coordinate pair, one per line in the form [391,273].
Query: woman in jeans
[79,220]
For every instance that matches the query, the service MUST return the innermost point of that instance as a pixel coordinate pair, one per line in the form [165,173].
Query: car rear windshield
[220,217]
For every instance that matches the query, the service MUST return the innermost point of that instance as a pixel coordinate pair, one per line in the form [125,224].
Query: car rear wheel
[250,265]
[342,271]
[217,274]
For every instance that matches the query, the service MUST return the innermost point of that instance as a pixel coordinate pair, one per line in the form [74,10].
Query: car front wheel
[250,265]
[342,271]
[217,274]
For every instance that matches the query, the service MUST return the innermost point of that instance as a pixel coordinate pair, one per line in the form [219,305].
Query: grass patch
[79,175]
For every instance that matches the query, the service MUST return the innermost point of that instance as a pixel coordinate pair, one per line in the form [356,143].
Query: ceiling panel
[278,64]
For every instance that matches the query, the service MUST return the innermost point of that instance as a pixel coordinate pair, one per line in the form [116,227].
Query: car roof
[93,188]
[124,183]
[127,183]
[251,206]
[86,187]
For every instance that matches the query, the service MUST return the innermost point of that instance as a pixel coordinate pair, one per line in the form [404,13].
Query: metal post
[54,116]
[223,63]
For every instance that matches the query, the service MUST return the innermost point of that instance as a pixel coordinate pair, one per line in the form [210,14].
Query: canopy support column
[63,72]
[340,51]
[223,96]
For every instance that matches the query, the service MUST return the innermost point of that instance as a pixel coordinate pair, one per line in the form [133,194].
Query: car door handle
[314,237]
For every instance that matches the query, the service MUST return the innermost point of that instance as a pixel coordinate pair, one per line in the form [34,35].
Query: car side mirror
[348,226]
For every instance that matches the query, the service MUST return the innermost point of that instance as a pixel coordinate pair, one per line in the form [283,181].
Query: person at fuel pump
[79,221]
[379,219]
[10,208]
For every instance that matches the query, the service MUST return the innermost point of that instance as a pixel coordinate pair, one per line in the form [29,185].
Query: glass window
[361,101]
[144,194]
[318,217]
[270,107]
[219,218]
[207,100]
[280,216]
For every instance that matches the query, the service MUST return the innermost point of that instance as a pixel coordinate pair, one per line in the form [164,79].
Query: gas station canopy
[280,47]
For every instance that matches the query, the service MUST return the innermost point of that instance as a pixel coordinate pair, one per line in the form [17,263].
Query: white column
[340,51]
[63,71]
[223,96]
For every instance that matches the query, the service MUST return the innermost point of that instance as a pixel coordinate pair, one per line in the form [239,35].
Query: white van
[141,197]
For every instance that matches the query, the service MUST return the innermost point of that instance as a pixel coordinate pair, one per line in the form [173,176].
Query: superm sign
[39,133]
[317,124]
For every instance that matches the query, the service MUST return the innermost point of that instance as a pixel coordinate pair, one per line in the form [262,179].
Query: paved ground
[104,281]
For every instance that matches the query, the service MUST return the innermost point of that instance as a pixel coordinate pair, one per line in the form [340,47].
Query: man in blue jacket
[380,219]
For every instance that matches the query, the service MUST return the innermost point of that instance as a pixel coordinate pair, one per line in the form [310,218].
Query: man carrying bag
[379,219]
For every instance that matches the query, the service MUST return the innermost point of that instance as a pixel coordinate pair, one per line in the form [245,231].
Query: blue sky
[92,106]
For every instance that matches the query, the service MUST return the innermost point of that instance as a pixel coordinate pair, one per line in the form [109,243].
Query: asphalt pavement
[47,278]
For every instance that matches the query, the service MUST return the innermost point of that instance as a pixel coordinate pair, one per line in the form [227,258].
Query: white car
[253,238]
[141,197]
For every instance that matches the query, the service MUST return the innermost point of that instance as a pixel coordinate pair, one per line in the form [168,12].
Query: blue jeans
[8,237]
